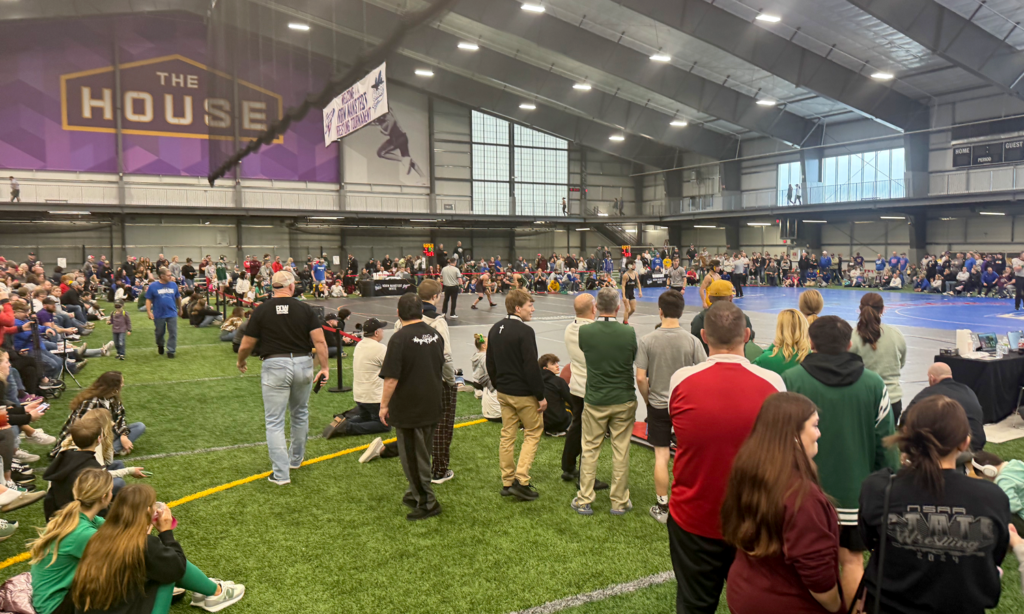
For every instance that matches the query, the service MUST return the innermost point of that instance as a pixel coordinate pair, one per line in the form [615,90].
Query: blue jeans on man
[287,383]
[76,311]
[171,325]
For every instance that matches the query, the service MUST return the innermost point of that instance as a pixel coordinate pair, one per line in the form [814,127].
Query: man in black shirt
[189,273]
[513,368]
[940,381]
[411,401]
[285,328]
[441,255]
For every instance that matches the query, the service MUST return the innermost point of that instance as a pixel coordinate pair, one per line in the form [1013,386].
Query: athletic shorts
[629,294]
[849,538]
[401,143]
[659,427]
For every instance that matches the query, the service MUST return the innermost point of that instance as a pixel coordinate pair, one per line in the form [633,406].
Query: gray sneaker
[230,593]
[583,509]
[7,529]
[623,511]
[659,513]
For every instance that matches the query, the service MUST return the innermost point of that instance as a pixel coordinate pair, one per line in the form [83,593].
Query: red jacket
[277,266]
[7,326]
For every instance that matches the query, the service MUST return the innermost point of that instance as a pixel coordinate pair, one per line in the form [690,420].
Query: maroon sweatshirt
[809,562]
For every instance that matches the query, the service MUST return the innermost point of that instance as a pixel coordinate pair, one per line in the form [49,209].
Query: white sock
[662,500]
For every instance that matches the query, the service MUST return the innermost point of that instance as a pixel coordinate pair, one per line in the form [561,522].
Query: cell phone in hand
[42,408]
[147,474]
[318,384]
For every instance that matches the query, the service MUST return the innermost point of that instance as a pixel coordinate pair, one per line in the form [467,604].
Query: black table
[655,280]
[391,286]
[996,382]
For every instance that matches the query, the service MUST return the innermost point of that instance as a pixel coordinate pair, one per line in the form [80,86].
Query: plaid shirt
[115,408]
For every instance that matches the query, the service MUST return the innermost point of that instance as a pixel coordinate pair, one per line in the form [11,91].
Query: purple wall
[33,56]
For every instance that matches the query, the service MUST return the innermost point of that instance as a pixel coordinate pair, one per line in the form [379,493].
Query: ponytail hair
[869,325]
[90,488]
[932,429]
[479,340]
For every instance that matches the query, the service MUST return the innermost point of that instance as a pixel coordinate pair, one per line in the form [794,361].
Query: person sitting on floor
[56,553]
[896,283]
[367,386]
[126,568]
[201,315]
[1007,475]
[557,416]
[87,436]
[488,394]
[105,392]
[228,328]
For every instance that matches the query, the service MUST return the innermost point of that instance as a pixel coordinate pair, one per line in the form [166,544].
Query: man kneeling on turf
[367,386]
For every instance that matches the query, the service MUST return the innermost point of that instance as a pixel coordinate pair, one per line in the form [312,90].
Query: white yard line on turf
[256,444]
[189,381]
[599,595]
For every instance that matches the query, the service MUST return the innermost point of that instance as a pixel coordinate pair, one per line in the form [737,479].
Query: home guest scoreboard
[1007,152]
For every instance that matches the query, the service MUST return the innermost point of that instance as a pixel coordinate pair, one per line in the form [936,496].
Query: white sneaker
[449,474]
[42,438]
[372,451]
[278,482]
[230,593]
[107,347]
[24,457]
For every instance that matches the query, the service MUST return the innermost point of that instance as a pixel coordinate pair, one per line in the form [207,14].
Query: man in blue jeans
[286,329]
[163,302]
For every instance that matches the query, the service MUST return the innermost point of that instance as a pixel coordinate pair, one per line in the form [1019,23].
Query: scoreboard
[992,153]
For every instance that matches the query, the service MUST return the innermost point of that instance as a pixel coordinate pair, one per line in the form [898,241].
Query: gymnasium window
[874,175]
[509,158]
[789,174]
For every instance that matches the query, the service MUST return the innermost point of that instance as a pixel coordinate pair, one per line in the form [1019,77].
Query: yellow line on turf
[24,556]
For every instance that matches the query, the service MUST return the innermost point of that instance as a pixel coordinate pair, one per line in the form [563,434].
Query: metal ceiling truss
[953,38]
[602,54]
[786,59]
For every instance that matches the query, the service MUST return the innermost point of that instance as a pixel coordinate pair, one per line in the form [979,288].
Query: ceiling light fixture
[70,213]
[423,72]
[533,8]
[321,217]
[469,46]
[678,123]
[581,86]
[616,137]
[814,221]
[882,76]
[893,217]
[302,27]
[602,214]
[759,223]
[582,229]
[422,220]
[767,102]
[991,213]
[696,226]
[528,106]
[538,222]
[947,219]
[661,57]
[768,18]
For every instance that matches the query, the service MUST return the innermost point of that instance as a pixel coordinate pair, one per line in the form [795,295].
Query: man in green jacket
[855,415]
[609,404]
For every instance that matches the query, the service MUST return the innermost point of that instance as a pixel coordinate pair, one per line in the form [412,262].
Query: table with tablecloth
[997,382]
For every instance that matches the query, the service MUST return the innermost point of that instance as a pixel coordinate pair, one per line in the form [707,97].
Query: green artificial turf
[336,539]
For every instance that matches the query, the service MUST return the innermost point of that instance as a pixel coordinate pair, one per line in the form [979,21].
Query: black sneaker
[422,513]
[170,354]
[523,492]
[22,479]
[506,491]
[21,468]
[159,349]
[568,476]
[599,485]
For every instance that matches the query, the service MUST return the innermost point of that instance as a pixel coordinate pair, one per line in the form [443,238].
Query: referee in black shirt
[286,329]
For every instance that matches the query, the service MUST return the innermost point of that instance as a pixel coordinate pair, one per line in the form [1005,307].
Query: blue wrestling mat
[901,308]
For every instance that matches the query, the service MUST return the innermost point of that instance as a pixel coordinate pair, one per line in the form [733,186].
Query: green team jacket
[855,416]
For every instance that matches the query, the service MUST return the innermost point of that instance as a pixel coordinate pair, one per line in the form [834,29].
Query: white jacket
[578,362]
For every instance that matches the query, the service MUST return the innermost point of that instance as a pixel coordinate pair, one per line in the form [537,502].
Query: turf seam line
[189,381]
[24,556]
[599,595]
[239,446]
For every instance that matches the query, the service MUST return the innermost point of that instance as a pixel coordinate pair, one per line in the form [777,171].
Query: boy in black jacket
[64,470]
[557,417]
[514,371]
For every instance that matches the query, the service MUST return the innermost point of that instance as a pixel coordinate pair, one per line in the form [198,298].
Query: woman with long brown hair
[784,529]
[127,569]
[105,392]
[945,533]
[56,553]
[882,347]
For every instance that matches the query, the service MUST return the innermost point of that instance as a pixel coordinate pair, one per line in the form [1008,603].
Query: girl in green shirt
[791,344]
[56,553]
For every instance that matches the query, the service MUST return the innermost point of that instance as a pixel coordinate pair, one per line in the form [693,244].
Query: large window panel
[490,163]
[489,129]
[490,198]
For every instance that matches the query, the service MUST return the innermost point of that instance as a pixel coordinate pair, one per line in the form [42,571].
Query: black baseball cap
[372,325]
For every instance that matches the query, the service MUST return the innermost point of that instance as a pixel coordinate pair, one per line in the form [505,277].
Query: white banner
[357,106]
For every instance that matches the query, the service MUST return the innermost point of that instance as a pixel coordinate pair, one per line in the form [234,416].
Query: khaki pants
[516,410]
[618,420]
